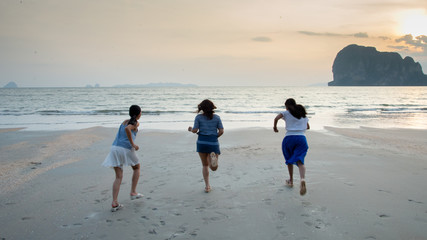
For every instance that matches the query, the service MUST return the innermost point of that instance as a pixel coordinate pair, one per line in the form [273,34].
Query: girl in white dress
[123,154]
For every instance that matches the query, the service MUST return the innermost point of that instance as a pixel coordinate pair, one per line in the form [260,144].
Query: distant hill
[90,86]
[364,66]
[156,85]
[11,85]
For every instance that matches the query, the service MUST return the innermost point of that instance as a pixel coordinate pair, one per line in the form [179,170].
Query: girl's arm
[128,130]
[278,117]
[193,130]
[220,132]
[195,125]
[308,126]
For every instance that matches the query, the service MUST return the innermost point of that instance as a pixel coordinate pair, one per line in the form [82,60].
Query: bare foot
[208,189]
[214,160]
[303,189]
[289,183]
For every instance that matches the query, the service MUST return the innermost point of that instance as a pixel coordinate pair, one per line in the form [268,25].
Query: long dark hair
[134,111]
[297,110]
[207,107]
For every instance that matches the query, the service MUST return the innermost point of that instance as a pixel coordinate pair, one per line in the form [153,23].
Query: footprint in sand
[281,215]
[308,224]
[92,215]
[349,184]
[381,190]
[282,231]
[88,189]
[200,209]
[72,226]
[415,201]
[160,185]
[370,237]
[320,224]
[220,216]
[280,190]
[267,201]
[182,230]
[194,233]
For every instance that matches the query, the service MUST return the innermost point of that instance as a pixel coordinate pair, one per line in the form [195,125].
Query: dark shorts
[294,149]
[208,144]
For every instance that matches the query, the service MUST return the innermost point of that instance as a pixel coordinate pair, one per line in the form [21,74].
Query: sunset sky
[52,43]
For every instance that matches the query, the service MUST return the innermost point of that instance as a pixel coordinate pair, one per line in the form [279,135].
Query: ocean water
[239,107]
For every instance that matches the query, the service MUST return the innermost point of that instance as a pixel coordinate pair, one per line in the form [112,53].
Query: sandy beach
[362,183]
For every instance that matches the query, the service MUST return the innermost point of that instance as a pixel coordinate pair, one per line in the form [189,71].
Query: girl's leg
[287,153]
[301,170]
[301,167]
[205,170]
[290,182]
[116,185]
[135,178]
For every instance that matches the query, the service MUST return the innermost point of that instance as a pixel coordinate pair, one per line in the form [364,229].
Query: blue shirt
[122,139]
[207,126]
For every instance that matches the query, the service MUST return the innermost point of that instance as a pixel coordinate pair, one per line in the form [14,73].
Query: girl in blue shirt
[209,128]
[123,154]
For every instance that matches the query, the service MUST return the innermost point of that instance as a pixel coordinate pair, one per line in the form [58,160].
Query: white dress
[121,153]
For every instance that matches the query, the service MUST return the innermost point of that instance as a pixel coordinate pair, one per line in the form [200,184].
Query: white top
[294,126]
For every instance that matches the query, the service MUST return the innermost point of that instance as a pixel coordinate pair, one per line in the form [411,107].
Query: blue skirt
[208,144]
[294,149]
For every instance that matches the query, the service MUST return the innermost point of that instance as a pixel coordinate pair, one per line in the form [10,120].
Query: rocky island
[11,85]
[365,66]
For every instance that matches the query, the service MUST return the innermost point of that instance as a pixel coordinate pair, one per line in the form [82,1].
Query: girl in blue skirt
[294,145]
[209,128]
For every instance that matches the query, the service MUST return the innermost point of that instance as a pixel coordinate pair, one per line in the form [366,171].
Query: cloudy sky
[49,43]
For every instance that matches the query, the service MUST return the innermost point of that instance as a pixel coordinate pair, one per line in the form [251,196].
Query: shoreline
[358,187]
[321,129]
[10,129]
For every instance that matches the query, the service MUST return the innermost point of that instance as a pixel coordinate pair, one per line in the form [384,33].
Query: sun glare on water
[413,22]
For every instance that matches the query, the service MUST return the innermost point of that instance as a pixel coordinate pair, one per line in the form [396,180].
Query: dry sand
[362,184]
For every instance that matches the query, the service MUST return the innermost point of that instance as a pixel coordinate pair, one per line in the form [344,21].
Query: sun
[413,22]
